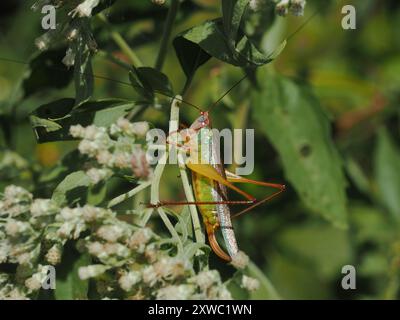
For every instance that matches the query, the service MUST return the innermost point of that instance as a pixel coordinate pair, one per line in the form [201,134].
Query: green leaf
[147,81]
[192,248]
[195,46]
[97,194]
[46,71]
[48,125]
[51,177]
[232,12]
[184,225]
[68,285]
[257,23]
[387,172]
[294,123]
[137,85]
[190,55]
[278,50]
[72,190]
[156,80]
[52,121]
[55,110]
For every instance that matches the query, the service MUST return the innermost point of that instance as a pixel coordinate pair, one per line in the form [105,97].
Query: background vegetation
[325,114]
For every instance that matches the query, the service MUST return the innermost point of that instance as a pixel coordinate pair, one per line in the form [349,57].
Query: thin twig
[129,194]
[122,44]
[113,59]
[185,180]
[155,186]
[172,12]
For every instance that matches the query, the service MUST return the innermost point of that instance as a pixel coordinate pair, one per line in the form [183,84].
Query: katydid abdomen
[215,215]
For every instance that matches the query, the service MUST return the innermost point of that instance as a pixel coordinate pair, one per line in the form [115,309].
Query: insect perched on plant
[210,181]
[209,178]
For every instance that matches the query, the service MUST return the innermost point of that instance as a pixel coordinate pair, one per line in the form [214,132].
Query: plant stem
[146,217]
[185,180]
[126,49]
[115,60]
[122,44]
[172,12]
[188,82]
[129,194]
[155,186]
[155,199]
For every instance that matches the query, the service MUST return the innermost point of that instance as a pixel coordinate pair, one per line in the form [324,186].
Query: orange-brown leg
[231,177]
[199,203]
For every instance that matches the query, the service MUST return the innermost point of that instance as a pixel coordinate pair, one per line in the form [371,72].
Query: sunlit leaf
[48,125]
[294,123]
[196,45]
[73,189]
[52,121]
[232,12]
[97,194]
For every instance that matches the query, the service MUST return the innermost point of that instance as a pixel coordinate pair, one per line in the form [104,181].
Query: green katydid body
[210,183]
[207,190]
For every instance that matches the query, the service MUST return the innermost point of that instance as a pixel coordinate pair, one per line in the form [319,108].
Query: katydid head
[201,122]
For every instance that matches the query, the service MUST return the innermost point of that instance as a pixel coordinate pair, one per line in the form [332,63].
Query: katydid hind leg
[199,203]
[234,178]
[231,177]
[268,198]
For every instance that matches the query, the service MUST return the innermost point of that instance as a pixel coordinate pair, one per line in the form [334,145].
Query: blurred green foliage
[331,132]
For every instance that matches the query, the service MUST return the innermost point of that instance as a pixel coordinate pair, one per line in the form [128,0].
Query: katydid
[210,182]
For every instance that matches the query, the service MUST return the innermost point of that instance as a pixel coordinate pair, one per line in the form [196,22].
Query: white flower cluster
[144,270]
[173,279]
[295,7]
[256,4]
[249,283]
[84,9]
[158,2]
[22,221]
[114,149]
[126,258]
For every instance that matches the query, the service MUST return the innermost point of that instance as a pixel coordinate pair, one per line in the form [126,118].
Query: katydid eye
[202,121]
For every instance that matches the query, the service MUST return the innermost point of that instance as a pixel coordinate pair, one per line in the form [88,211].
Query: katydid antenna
[97,76]
[287,39]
